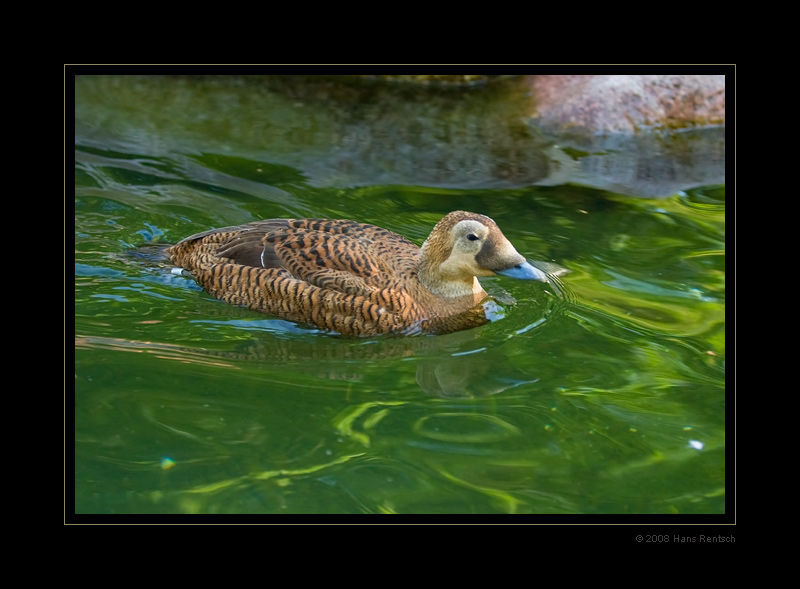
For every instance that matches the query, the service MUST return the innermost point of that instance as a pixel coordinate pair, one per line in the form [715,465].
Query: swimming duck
[354,278]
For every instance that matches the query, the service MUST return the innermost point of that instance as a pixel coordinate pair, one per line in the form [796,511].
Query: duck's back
[353,278]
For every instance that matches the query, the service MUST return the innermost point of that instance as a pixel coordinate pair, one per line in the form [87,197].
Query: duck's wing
[350,257]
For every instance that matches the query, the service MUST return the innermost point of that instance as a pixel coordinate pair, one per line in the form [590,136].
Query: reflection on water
[444,367]
[343,135]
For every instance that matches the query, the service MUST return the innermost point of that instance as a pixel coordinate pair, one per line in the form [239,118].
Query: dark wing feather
[246,244]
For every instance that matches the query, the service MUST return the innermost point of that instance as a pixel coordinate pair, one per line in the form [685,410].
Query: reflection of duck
[355,278]
[457,365]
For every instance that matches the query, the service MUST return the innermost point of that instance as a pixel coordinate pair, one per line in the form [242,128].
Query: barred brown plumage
[355,278]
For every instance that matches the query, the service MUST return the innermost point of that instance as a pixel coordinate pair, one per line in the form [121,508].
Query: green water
[606,396]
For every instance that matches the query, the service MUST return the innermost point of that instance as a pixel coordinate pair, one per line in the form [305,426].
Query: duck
[353,278]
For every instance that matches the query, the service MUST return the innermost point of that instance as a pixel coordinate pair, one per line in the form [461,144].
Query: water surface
[604,397]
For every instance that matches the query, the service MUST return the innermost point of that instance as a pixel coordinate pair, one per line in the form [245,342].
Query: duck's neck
[437,278]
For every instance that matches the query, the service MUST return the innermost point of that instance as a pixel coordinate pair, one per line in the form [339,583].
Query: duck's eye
[473,237]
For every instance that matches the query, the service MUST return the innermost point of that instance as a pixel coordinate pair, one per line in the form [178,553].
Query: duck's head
[465,245]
